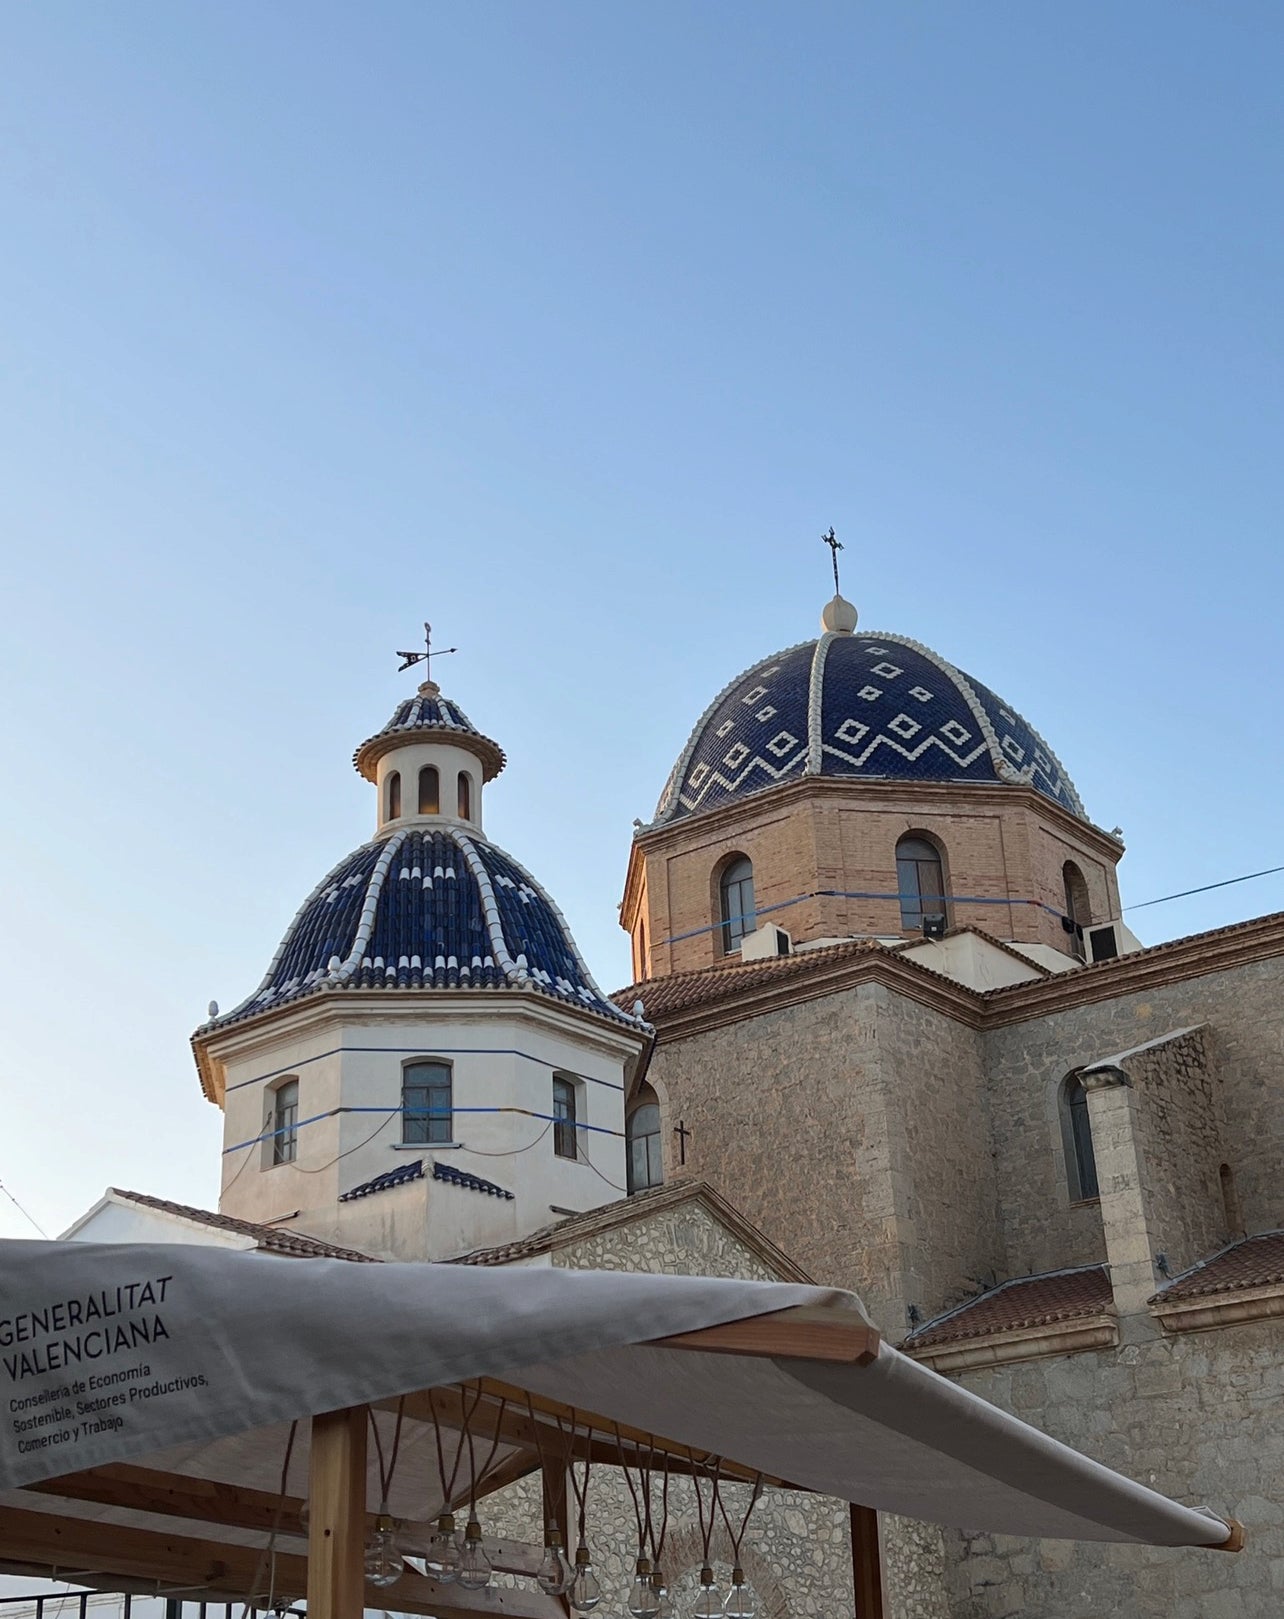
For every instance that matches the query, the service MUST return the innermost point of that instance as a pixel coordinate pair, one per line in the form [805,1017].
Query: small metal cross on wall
[426,656]
[680,1130]
[835,546]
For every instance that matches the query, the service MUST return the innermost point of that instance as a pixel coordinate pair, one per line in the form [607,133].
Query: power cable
[1229,882]
[26,1215]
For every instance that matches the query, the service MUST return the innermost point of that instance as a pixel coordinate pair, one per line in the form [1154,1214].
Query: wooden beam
[337,1500]
[867,1564]
[102,1555]
[803,1333]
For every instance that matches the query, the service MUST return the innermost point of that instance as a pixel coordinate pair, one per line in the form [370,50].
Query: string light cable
[26,1214]
[267,1560]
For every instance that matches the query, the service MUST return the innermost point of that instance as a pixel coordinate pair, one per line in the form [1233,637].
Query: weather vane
[835,546]
[426,656]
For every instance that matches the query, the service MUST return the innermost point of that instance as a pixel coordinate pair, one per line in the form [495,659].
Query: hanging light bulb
[586,1588]
[741,1602]
[383,1555]
[664,1602]
[644,1603]
[442,1558]
[554,1574]
[708,1605]
[474,1565]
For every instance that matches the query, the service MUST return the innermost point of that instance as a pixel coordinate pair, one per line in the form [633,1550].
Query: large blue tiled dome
[857,705]
[437,908]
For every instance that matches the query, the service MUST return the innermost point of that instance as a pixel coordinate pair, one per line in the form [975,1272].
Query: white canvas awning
[189,1363]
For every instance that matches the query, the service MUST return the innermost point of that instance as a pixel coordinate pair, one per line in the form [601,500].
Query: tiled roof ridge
[932,1332]
[656,1199]
[275,1238]
[739,971]
[402,1175]
[1201,1280]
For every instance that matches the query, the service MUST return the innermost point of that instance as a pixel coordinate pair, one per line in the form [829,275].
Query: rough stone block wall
[1179,1118]
[1197,1418]
[787,1115]
[934,1096]
[1243,1009]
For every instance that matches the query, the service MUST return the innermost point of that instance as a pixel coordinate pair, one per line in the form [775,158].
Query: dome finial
[839,616]
[425,657]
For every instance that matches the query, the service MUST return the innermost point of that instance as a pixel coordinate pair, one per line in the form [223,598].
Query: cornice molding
[1199,956]
[1025,1343]
[872,791]
[1220,1309]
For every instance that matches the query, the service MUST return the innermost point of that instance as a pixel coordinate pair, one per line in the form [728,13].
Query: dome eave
[489,754]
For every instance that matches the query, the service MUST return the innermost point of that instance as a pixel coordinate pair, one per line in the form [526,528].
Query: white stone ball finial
[839,617]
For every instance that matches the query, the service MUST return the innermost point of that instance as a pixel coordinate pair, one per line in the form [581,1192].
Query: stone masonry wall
[787,1114]
[1179,1116]
[941,1164]
[1196,1417]
[1243,1009]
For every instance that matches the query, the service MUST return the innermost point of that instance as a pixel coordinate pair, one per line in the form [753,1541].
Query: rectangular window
[285,1122]
[426,1104]
[564,1122]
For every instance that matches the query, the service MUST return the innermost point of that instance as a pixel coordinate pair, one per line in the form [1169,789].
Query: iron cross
[835,546]
[427,655]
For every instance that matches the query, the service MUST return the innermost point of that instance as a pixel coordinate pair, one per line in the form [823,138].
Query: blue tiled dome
[857,705]
[427,909]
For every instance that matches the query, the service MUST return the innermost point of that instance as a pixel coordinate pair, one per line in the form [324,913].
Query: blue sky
[571,328]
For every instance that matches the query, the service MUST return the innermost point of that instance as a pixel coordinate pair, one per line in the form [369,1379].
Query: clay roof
[678,991]
[624,1211]
[273,1238]
[1027,1301]
[1251,1262]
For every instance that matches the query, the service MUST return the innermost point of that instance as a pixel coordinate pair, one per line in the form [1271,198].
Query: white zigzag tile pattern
[857,705]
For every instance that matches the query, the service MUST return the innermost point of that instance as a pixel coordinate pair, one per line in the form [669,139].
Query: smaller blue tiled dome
[876,706]
[429,716]
[427,909]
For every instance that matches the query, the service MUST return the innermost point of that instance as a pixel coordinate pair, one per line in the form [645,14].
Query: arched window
[1081,1161]
[920,882]
[426,1103]
[285,1122]
[735,903]
[465,797]
[1078,908]
[429,791]
[394,794]
[642,1134]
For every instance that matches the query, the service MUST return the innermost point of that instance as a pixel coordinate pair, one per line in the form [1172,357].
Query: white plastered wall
[348,1054]
[449,760]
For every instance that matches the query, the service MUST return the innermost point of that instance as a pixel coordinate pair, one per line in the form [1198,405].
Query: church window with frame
[429,791]
[392,789]
[736,903]
[565,1116]
[426,1103]
[285,1122]
[1078,906]
[645,1166]
[920,882]
[1081,1158]
[465,796]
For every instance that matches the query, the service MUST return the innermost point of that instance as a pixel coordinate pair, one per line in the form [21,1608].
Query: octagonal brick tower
[816,765]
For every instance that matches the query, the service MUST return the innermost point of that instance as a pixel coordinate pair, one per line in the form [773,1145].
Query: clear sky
[571,327]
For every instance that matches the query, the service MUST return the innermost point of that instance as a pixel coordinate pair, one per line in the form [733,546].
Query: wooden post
[867,1567]
[337,1525]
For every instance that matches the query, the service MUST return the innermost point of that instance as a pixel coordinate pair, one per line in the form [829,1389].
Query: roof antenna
[426,656]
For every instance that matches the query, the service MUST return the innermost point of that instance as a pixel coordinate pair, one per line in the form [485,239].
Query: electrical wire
[24,1212]
[1207,888]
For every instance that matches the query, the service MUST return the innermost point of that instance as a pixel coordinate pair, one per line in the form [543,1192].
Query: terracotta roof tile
[677,991]
[1027,1301]
[1251,1262]
[273,1238]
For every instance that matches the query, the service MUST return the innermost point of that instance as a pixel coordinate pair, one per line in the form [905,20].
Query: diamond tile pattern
[888,708]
